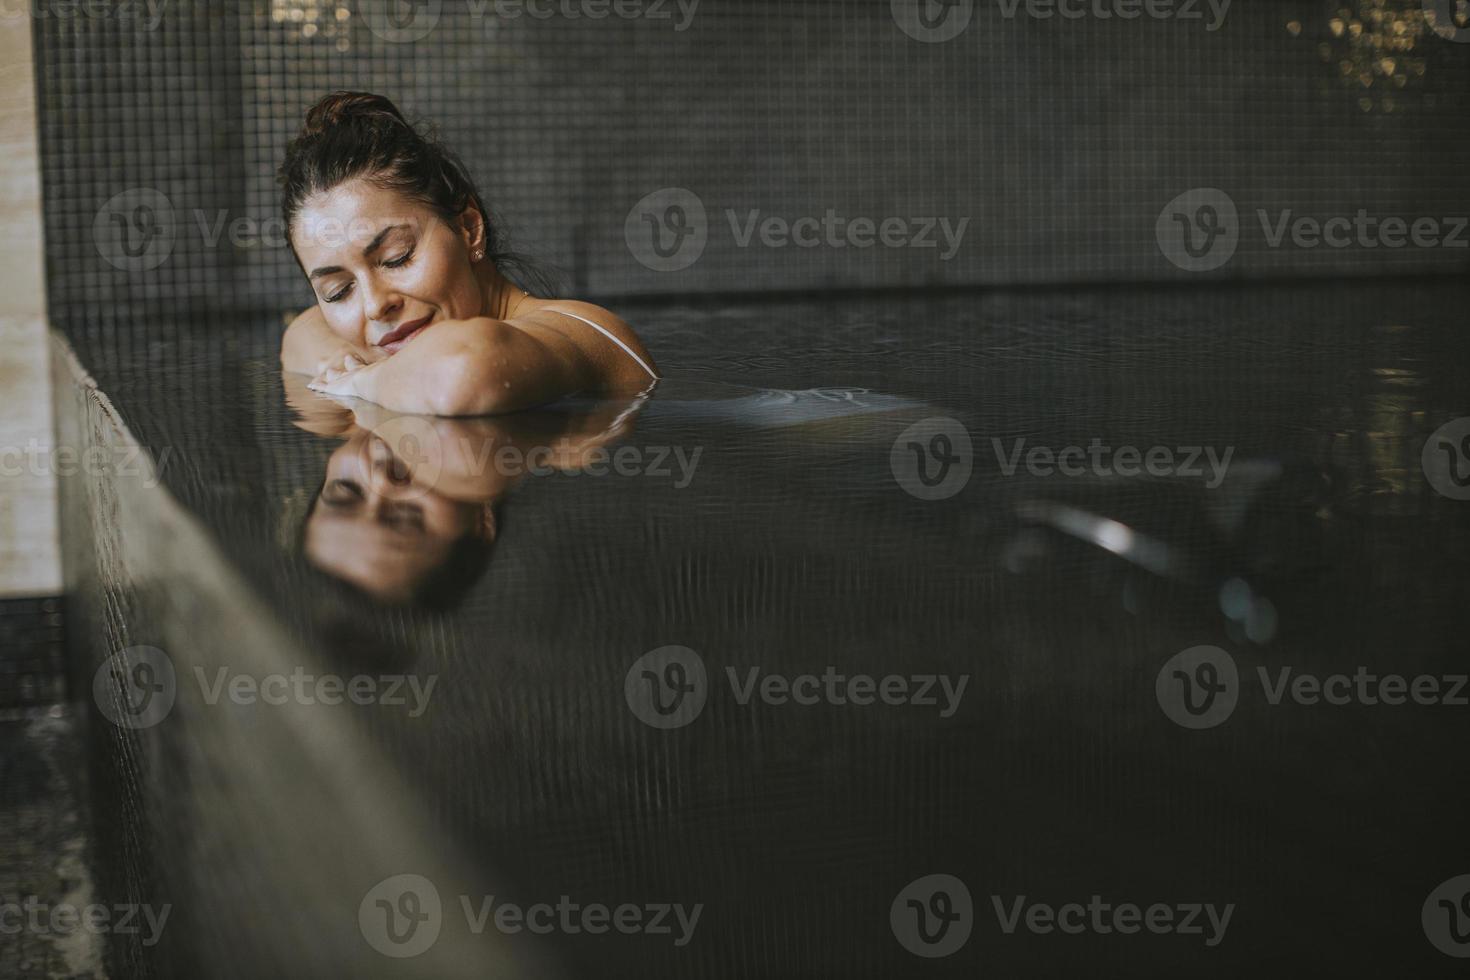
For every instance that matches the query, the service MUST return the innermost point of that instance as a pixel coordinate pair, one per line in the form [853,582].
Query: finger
[350,363]
[325,381]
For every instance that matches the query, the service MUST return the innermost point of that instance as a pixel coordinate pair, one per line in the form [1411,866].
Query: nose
[380,302]
[385,470]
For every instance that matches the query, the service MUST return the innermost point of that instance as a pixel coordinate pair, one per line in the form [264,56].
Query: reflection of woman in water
[373,527]
[408,509]
[412,310]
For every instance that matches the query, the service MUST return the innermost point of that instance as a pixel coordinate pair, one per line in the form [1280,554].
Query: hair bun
[345,108]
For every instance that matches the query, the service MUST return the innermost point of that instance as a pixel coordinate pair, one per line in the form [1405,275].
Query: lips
[396,338]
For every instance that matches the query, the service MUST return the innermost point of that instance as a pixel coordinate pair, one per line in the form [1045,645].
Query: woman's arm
[468,367]
[309,346]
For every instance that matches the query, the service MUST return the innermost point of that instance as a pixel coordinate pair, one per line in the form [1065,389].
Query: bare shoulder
[292,340]
[306,319]
[309,322]
[615,362]
[308,342]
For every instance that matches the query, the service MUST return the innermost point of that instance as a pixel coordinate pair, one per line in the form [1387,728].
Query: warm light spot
[1371,42]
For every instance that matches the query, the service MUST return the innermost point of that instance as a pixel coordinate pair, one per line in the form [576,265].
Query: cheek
[343,319]
[451,283]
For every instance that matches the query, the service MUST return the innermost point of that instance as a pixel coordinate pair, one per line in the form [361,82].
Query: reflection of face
[379,261]
[378,530]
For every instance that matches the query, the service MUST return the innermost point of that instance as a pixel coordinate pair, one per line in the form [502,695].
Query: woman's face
[384,266]
[374,527]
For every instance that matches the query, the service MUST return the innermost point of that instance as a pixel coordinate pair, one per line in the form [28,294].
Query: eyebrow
[372,246]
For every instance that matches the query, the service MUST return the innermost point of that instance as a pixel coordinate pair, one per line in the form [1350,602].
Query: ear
[472,229]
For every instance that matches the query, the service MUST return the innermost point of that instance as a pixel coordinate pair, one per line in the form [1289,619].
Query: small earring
[479,254]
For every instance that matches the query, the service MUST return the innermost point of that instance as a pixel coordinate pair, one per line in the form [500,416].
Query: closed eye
[339,494]
[399,262]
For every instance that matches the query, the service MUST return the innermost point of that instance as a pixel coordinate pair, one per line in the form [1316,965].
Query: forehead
[341,222]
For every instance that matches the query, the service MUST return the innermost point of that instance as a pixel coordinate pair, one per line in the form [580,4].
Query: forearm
[469,367]
[309,345]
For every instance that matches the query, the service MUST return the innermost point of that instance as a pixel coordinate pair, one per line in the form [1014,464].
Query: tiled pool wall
[1059,140]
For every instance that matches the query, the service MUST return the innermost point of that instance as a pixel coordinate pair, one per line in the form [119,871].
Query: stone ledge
[263,829]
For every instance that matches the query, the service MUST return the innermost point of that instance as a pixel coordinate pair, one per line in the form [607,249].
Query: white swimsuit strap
[608,334]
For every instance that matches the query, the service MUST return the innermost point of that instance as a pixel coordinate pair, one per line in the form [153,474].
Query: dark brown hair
[357,134]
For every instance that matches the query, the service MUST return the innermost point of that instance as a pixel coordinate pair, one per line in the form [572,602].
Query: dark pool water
[1079,759]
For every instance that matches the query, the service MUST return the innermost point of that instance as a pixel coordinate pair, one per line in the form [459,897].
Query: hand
[346,376]
[313,413]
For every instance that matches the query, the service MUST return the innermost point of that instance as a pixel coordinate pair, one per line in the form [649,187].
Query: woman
[407,510]
[412,310]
